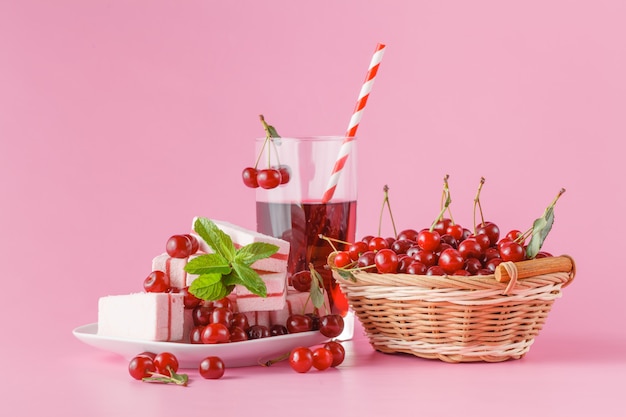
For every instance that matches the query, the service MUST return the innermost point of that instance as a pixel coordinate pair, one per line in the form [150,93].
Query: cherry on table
[301,359]
[211,367]
[338,351]
[141,367]
[322,358]
[331,325]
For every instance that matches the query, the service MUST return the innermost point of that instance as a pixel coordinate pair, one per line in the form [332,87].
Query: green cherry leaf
[541,228]
[317,294]
[252,252]
[208,264]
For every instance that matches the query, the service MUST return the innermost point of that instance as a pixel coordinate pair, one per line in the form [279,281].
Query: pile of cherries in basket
[447,249]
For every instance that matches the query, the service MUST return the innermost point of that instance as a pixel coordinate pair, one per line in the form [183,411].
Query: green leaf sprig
[227,266]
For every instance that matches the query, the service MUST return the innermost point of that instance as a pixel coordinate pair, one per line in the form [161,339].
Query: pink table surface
[120,121]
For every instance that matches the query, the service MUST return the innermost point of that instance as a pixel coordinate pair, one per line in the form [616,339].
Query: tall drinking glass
[294,211]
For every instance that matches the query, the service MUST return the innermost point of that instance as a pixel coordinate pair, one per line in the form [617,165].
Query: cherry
[215,333]
[222,315]
[178,246]
[514,234]
[240,320]
[450,261]
[223,302]
[268,178]
[462,272]
[315,320]
[455,230]
[147,354]
[195,335]
[301,359]
[166,363]
[211,367]
[448,240]
[442,225]
[470,248]
[435,270]
[258,331]
[401,246]
[194,243]
[428,240]
[367,260]
[338,351]
[490,253]
[357,249]
[416,268]
[297,323]
[278,330]
[413,250]
[249,176]
[377,243]
[342,259]
[408,234]
[322,358]
[426,257]
[157,281]
[483,240]
[512,251]
[490,229]
[301,281]
[201,315]
[403,263]
[141,367]
[472,265]
[189,300]
[237,334]
[492,263]
[386,261]
[285,174]
[331,325]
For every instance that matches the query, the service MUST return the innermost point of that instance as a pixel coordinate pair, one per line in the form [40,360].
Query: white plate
[237,354]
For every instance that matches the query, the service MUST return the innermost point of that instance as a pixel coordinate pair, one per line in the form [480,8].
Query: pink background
[120,121]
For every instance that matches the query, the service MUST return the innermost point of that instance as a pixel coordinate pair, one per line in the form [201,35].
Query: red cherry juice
[301,225]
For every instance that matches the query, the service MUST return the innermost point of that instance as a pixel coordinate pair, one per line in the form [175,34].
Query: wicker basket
[490,318]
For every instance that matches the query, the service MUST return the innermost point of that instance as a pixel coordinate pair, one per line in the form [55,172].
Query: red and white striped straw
[346,147]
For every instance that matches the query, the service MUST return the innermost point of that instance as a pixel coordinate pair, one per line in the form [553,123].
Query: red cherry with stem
[215,333]
[157,281]
[472,265]
[331,325]
[514,234]
[428,240]
[512,251]
[455,230]
[141,367]
[195,335]
[301,359]
[223,302]
[342,259]
[490,229]
[386,261]
[357,249]
[483,240]
[211,367]
[442,225]
[403,263]
[222,315]
[322,358]
[450,261]
[201,315]
[240,320]
[401,246]
[338,351]
[367,261]
[166,363]
[249,176]
[268,178]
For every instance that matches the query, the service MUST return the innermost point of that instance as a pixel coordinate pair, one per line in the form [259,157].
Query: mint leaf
[254,251]
[249,278]
[208,264]
[210,287]
[219,241]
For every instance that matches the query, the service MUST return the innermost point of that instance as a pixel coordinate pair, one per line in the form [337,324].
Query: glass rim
[311,138]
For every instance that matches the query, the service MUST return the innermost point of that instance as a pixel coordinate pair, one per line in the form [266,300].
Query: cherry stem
[331,240]
[477,203]
[444,196]
[275,360]
[446,204]
[380,219]
[268,138]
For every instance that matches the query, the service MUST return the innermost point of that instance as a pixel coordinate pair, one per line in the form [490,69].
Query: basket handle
[534,267]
